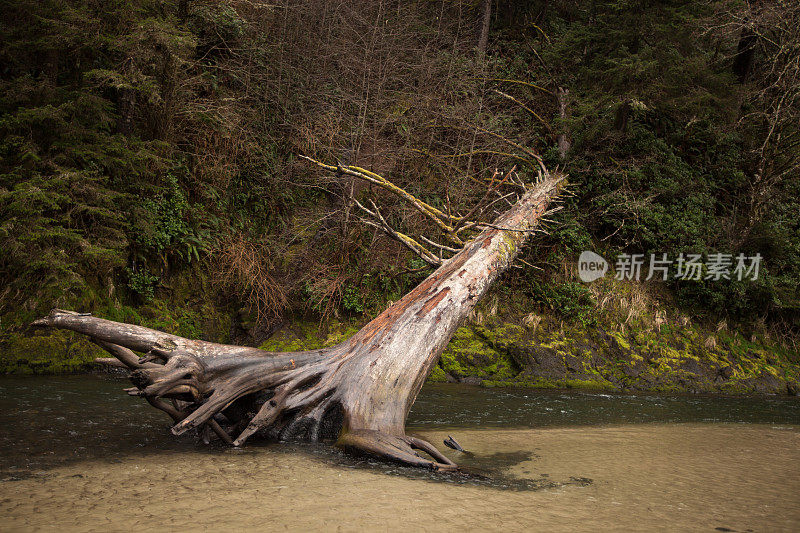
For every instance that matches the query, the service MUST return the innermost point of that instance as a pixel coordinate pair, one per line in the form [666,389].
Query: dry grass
[532,321]
[325,287]
[476,317]
[629,302]
[493,307]
[243,267]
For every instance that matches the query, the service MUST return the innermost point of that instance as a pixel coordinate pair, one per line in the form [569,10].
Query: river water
[78,454]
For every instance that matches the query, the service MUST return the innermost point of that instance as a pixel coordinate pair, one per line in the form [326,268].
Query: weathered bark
[359,391]
[563,139]
[483,27]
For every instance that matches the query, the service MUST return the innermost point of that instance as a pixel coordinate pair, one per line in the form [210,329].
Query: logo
[685,267]
[591,266]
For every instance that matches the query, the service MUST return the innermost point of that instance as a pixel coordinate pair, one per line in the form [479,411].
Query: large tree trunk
[483,27]
[359,391]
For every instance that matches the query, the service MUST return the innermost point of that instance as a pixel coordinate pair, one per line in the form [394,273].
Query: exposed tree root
[358,393]
[399,448]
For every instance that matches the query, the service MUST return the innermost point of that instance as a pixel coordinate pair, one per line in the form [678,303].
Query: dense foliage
[142,141]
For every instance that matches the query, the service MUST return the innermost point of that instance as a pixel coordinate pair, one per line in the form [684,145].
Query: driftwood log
[357,393]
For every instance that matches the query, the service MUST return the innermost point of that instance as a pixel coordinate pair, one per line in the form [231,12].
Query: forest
[153,171]
[418,265]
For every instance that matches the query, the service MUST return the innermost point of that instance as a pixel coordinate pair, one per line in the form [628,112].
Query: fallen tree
[358,392]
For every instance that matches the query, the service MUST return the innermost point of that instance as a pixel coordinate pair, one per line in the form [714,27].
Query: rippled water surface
[76,453]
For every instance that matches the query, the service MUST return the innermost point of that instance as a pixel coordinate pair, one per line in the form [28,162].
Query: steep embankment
[493,352]
[673,359]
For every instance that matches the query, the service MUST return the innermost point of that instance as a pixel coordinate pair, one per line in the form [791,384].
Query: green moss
[56,351]
[469,355]
[581,357]
[340,334]
[53,352]
[50,353]
[621,340]
[437,375]
[305,335]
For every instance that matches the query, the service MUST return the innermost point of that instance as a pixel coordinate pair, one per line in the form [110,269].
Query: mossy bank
[491,352]
[495,353]
[624,339]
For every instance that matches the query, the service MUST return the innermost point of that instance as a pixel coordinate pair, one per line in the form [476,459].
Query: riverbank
[542,353]
[628,337]
[537,351]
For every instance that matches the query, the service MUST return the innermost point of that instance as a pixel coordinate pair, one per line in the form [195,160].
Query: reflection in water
[51,420]
[449,405]
[76,452]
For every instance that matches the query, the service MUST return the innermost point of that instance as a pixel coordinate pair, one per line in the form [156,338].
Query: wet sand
[743,477]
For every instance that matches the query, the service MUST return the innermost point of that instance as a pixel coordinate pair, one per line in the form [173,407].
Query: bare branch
[441,246]
[441,219]
[526,108]
[380,223]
